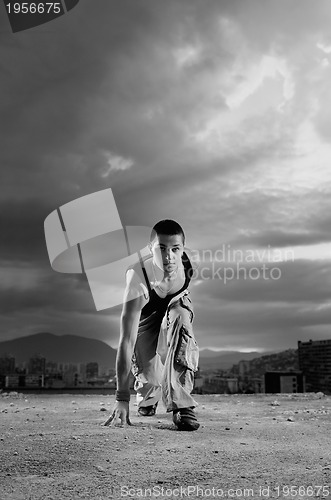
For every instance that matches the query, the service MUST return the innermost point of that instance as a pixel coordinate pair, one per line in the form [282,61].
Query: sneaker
[147,411]
[185,419]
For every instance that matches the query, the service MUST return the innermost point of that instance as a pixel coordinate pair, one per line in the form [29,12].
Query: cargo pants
[165,360]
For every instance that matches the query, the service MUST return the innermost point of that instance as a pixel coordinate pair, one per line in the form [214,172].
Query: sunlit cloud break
[115,162]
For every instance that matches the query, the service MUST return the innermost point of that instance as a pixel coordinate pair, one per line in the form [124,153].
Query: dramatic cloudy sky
[215,113]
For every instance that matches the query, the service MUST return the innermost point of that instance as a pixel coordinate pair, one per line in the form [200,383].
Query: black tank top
[156,306]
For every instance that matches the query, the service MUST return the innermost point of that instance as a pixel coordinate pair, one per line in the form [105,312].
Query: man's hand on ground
[120,413]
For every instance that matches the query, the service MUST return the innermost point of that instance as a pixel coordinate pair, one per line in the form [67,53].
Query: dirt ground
[248,446]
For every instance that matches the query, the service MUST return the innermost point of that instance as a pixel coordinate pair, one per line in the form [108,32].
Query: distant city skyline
[215,114]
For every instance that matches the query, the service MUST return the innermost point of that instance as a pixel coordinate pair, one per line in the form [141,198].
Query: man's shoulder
[137,278]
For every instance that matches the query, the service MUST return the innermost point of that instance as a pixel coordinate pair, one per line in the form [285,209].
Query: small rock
[103,409]
[227,428]
[15,453]
[290,419]
[99,468]
[275,403]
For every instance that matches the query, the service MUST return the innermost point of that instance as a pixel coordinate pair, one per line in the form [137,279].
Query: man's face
[167,251]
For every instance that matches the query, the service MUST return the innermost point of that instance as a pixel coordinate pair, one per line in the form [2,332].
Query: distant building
[315,362]
[37,365]
[51,367]
[284,381]
[243,367]
[19,381]
[92,370]
[215,383]
[258,385]
[7,365]
[13,381]
[34,381]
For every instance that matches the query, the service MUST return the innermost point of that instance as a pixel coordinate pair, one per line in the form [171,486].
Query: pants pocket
[187,352]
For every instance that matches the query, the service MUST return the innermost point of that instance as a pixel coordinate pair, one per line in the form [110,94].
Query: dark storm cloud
[22,230]
[286,282]
[265,312]
[26,286]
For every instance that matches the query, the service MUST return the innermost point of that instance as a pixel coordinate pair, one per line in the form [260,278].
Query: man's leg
[182,356]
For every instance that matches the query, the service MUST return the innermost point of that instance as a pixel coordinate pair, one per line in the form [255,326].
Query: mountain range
[75,349]
[60,348]
[225,359]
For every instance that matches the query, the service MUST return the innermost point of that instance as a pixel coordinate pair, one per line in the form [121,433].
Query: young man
[156,338]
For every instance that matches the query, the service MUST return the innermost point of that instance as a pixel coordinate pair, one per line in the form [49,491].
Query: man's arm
[128,335]
[134,301]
